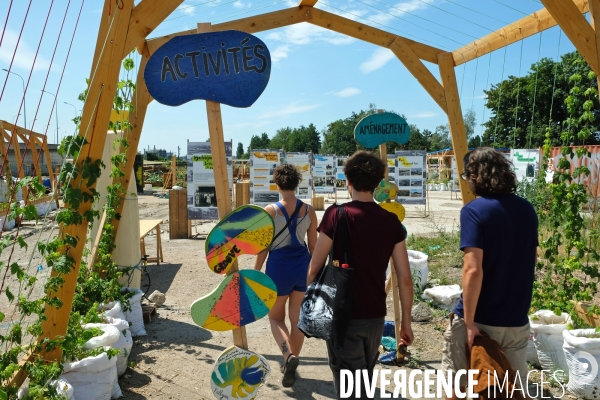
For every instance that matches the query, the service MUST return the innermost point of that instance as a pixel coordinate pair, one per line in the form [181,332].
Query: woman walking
[287,265]
[375,235]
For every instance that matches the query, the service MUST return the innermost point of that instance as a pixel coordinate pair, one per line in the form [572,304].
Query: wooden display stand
[318,203]
[147,226]
[178,216]
[242,193]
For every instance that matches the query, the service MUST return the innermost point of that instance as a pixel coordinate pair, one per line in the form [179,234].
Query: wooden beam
[145,17]
[416,67]
[595,17]
[104,76]
[258,23]
[308,3]
[455,120]
[577,28]
[141,98]
[523,28]
[369,34]
[217,150]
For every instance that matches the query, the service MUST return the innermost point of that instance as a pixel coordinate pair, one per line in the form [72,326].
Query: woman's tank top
[301,228]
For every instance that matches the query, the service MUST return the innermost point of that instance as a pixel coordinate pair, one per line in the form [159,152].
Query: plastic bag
[93,378]
[547,329]
[419,267]
[124,343]
[446,296]
[107,339]
[114,310]
[582,352]
[135,315]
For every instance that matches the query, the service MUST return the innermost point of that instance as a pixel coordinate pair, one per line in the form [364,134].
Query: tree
[440,139]
[523,108]
[260,142]
[281,138]
[240,150]
[470,123]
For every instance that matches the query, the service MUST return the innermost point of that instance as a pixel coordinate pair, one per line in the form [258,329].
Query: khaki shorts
[512,340]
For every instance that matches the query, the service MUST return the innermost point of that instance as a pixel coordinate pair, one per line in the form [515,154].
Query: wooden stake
[394,279]
[217,149]
[455,119]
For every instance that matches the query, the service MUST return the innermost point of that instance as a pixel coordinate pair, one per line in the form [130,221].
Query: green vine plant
[96,285]
[568,272]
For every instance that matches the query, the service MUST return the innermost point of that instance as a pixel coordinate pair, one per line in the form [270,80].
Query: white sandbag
[445,296]
[63,388]
[124,344]
[107,339]
[92,378]
[135,315]
[419,267]
[582,351]
[114,310]
[9,223]
[547,329]
[532,356]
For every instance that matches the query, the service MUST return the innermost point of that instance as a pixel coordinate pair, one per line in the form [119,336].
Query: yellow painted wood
[455,119]
[416,67]
[577,29]
[523,28]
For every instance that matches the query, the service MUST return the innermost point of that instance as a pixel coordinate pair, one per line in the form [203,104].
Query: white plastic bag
[582,351]
[446,296]
[63,388]
[532,356]
[124,343]
[107,339]
[419,267]
[93,378]
[547,331]
[114,310]
[135,315]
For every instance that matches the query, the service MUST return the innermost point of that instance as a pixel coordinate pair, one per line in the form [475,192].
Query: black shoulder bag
[326,309]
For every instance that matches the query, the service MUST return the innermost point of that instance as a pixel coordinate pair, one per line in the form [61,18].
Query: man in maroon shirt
[375,236]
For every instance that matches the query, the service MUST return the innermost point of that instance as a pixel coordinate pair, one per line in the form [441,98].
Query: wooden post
[393,278]
[217,149]
[595,16]
[104,77]
[455,119]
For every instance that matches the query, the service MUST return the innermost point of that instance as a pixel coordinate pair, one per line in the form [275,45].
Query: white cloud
[424,114]
[24,55]
[187,9]
[347,92]
[378,59]
[241,4]
[279,53]
[300,34]
[290,109]
[399,10]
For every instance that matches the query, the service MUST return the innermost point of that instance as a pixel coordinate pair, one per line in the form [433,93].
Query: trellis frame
[123,29]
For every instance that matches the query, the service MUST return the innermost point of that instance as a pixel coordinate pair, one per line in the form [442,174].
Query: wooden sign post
[217,150]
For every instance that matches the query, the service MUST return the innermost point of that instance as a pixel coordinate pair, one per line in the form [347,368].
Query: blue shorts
[288,268]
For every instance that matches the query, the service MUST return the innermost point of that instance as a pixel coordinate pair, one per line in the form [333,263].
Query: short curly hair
[287,177]
[364,170]
[489,172]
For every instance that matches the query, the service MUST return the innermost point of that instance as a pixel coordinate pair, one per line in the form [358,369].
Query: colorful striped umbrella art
[242,298]
[246,230]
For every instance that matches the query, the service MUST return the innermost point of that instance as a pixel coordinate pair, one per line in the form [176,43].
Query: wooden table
[146,226]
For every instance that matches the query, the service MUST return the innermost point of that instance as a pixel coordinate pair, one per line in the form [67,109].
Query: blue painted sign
[228,67]
[380,128]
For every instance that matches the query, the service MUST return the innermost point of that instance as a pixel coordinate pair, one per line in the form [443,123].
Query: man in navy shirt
[499,236]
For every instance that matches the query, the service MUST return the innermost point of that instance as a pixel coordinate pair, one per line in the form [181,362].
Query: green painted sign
[380,128]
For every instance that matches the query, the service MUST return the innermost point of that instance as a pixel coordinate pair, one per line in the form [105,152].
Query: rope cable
[480,13]
[499,97]
[474,82]
[487,86]
[535,89]
[6,21]
[554,82]
[458,16]
[512,8]
[518,92]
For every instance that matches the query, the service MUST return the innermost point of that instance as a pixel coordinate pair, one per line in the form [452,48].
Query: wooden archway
[125,28]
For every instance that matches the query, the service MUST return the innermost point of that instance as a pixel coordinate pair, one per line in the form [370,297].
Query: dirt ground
[176,358]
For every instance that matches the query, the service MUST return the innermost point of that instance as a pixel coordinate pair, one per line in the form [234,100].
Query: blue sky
[317,76]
